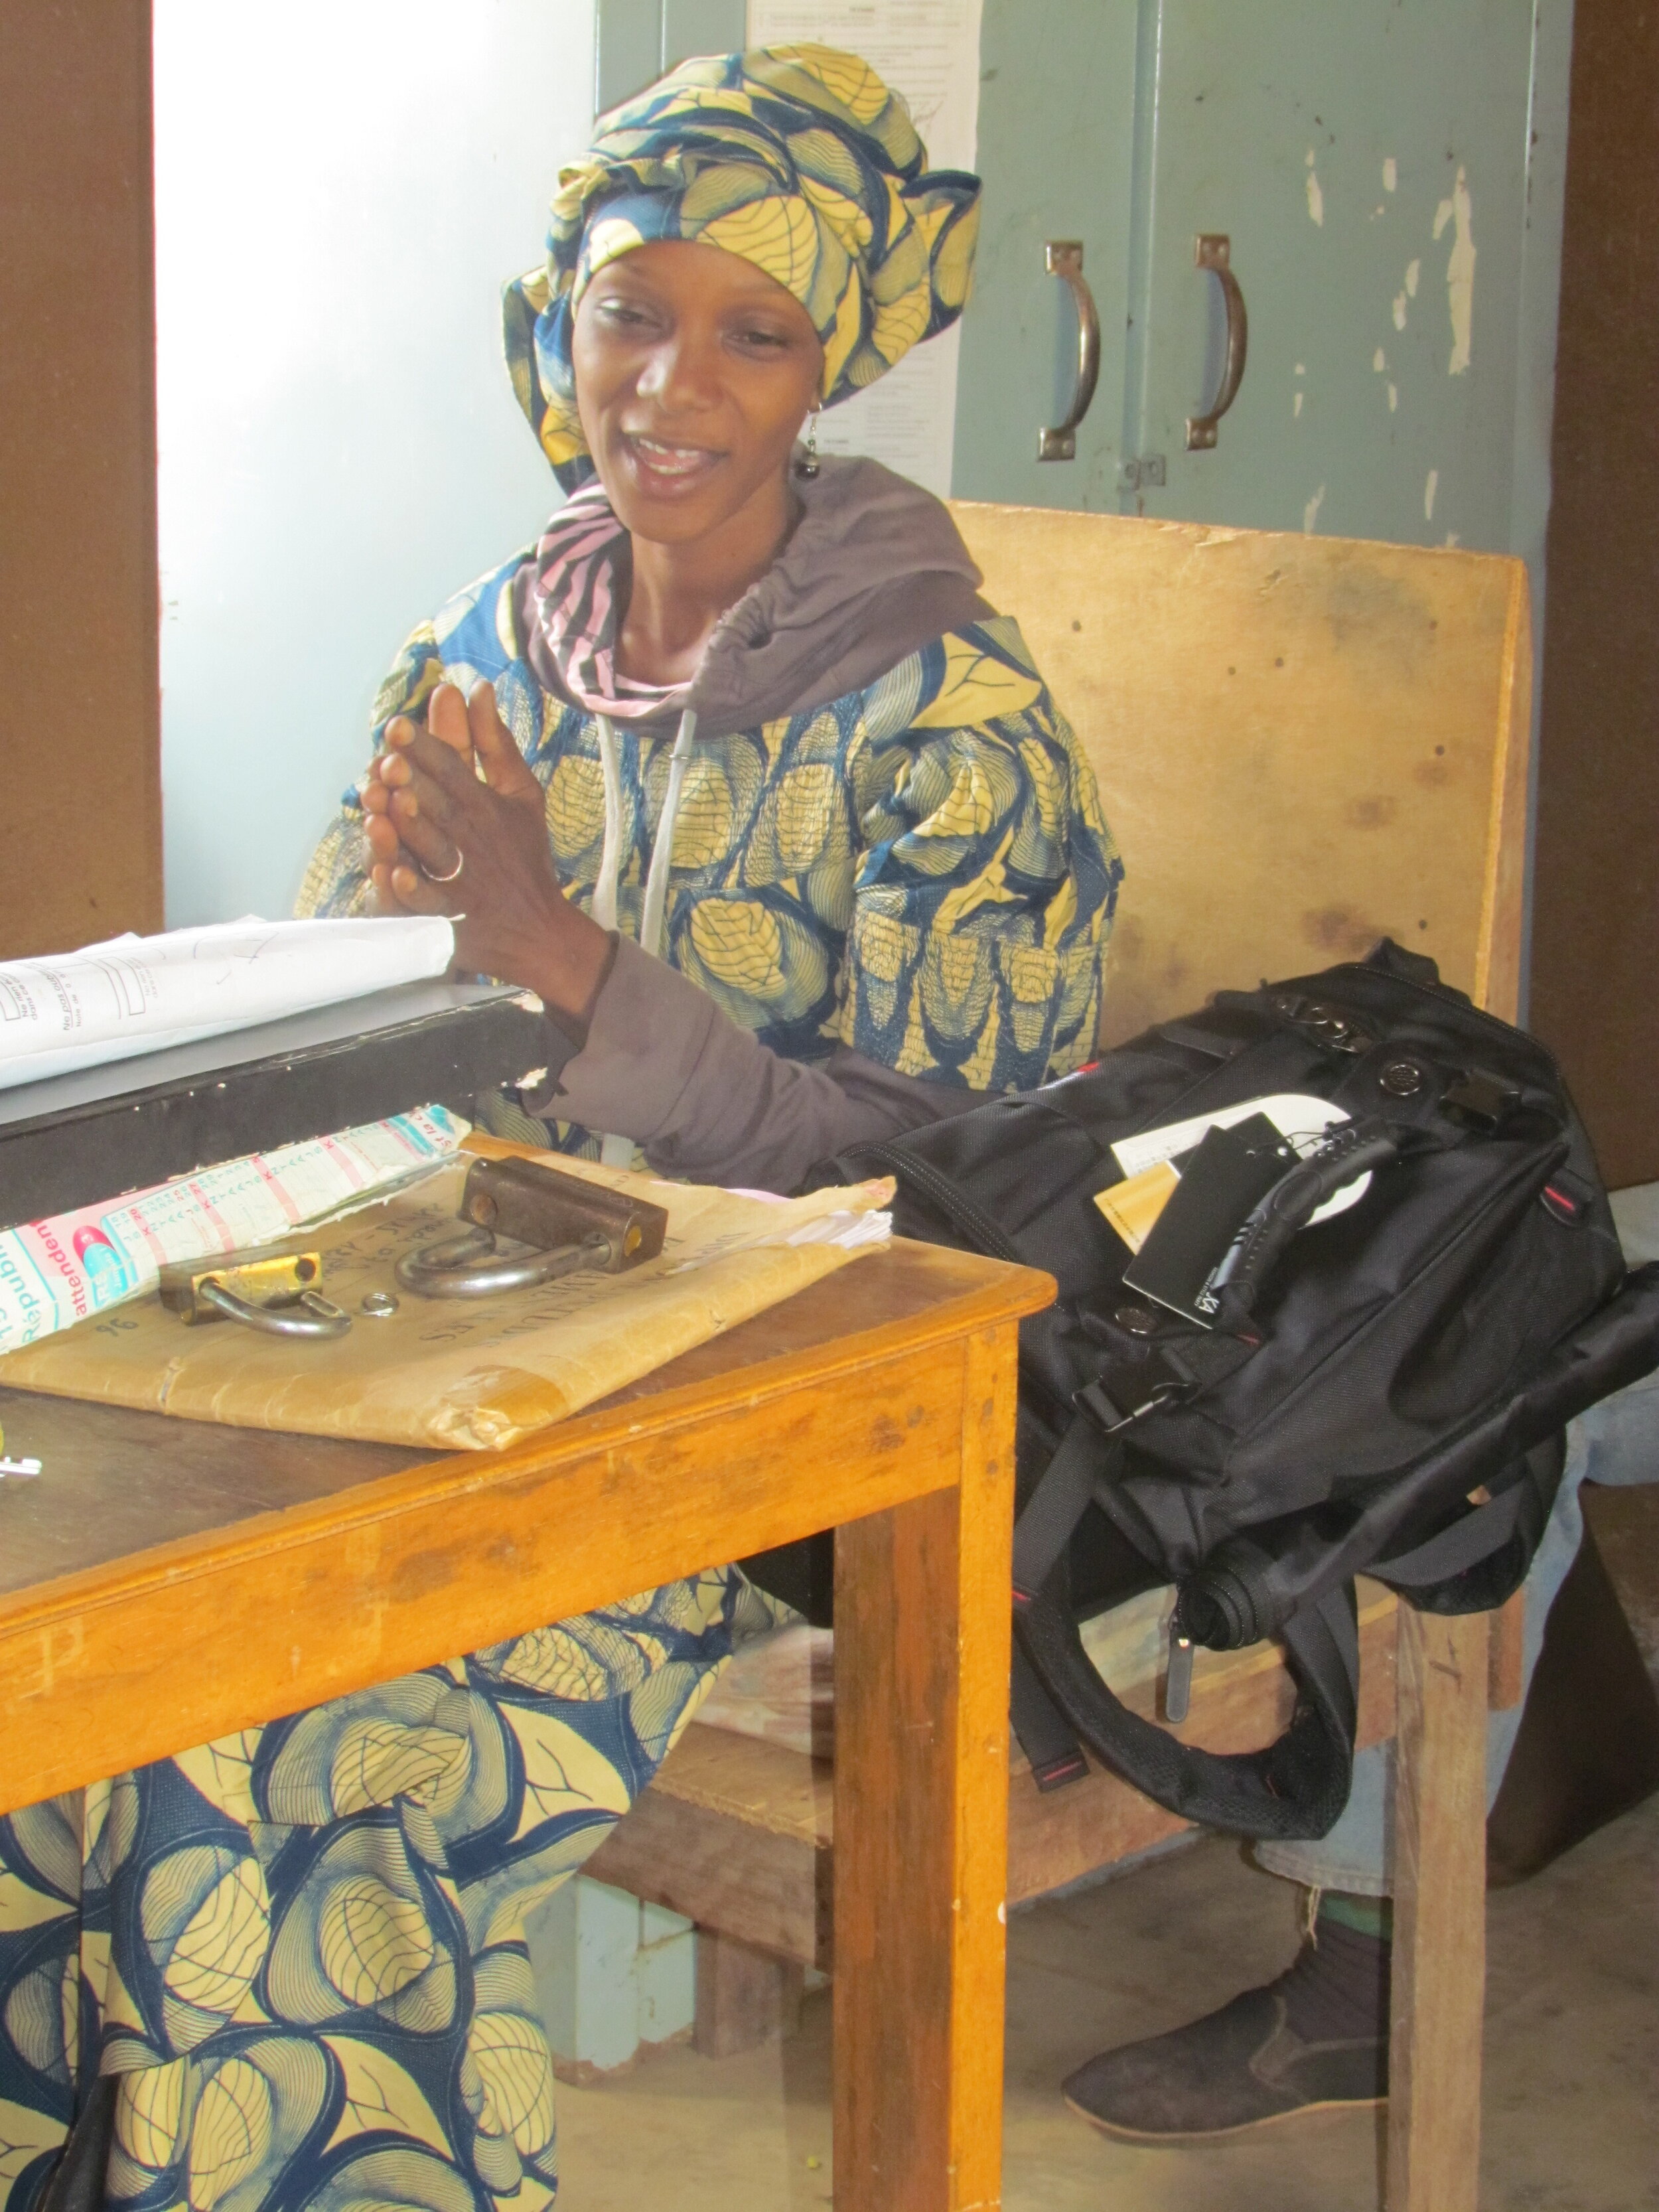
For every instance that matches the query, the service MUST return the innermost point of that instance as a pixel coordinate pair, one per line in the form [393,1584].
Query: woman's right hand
[386,849]
[445,839]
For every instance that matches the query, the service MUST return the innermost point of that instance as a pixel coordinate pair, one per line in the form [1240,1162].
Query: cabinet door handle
[1063,258]
[1213,251]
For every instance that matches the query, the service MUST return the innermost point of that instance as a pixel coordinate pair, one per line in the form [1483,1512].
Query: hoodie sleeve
[988,882]
[980,912]
[705,1098]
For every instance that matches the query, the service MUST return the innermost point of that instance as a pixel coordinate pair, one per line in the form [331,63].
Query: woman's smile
[666,469]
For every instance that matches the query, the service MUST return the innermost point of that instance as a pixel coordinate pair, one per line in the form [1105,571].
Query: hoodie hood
[874,569]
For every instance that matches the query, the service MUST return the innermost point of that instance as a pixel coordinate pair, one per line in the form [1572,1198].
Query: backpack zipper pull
[1178,1677]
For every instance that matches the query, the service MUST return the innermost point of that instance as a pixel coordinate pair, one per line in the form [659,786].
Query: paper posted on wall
[928,51]
[136,994]
[477,1373]
[54,1274]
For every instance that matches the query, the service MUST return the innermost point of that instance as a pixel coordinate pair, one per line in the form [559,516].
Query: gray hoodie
[875,570]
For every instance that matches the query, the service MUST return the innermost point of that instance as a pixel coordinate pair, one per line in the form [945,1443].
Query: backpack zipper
[956,1206]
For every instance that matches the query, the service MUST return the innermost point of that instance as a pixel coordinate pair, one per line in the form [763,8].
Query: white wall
[341,188]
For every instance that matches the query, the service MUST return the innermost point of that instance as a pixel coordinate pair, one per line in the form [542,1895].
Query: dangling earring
[806,464]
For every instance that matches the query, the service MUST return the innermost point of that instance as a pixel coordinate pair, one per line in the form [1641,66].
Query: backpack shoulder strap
[1046,1737]
[1296,1788]
[1054,1508]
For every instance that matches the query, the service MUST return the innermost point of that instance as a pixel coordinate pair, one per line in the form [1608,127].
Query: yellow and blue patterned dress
[920,870]
[302,1949]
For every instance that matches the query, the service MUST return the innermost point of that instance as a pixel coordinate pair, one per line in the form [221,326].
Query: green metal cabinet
[635,40]
[1387,174]
[1056,150]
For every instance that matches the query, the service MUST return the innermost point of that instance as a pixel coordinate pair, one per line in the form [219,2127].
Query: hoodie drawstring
[662,851]
[619,1152]
[604,891]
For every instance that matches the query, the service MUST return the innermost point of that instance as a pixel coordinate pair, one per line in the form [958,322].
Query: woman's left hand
[443,840]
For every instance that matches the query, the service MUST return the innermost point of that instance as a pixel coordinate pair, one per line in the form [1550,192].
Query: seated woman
[745,712]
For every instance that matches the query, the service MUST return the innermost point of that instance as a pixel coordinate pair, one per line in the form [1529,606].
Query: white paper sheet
[138,995]
[928,52]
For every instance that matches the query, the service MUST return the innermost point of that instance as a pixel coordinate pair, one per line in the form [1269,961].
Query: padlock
[276,1292]
[558,1222]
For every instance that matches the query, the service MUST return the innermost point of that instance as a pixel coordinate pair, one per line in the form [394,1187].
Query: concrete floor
[1572,2029]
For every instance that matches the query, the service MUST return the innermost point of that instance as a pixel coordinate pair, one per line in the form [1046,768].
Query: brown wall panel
[79,716]
[1595,994]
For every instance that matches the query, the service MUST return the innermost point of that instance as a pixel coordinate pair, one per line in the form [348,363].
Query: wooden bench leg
[922,1812]
[1439,1914]
[745,1997]
[1507,1629]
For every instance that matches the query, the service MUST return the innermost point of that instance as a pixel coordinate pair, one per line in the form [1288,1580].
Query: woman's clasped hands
[455,824]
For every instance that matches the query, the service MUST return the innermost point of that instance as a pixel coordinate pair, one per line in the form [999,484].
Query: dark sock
[1338,1990]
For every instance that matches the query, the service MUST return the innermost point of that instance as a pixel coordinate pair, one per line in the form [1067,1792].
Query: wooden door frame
[1596,900]
[81,821]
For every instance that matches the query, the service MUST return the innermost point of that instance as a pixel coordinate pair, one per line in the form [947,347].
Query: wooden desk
[166,1582]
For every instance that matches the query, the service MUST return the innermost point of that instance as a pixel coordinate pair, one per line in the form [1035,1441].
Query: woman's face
[694,372]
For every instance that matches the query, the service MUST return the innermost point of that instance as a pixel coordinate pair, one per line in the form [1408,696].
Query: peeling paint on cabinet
[1459,269]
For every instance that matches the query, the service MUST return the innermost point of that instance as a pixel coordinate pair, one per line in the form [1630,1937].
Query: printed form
[135,994]
[928,52]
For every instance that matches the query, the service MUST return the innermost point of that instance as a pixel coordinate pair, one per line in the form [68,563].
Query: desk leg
[922,1811]
[1439,1914]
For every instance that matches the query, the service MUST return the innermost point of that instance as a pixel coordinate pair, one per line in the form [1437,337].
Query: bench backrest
[1302,743]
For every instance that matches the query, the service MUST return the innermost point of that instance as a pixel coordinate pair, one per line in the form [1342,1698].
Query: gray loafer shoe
[1296,2045]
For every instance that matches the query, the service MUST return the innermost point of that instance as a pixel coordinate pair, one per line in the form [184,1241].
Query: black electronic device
[1222,1178]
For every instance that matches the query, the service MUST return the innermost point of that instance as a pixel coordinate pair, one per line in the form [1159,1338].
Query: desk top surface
[117,1482]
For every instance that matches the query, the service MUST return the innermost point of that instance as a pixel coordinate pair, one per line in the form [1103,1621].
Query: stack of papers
[137,994]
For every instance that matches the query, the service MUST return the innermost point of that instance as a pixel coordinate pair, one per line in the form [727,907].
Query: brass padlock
[276,1292]
[560,1222]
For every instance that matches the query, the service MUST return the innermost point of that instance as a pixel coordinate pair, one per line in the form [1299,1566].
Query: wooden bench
[1303,744]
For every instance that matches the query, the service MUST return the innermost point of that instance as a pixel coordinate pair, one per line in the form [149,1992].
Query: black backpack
[1360,1378]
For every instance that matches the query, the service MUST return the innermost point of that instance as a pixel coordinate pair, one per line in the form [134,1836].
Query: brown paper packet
[448,1373]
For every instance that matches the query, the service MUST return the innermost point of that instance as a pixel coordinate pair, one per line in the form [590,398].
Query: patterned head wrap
[797,158]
